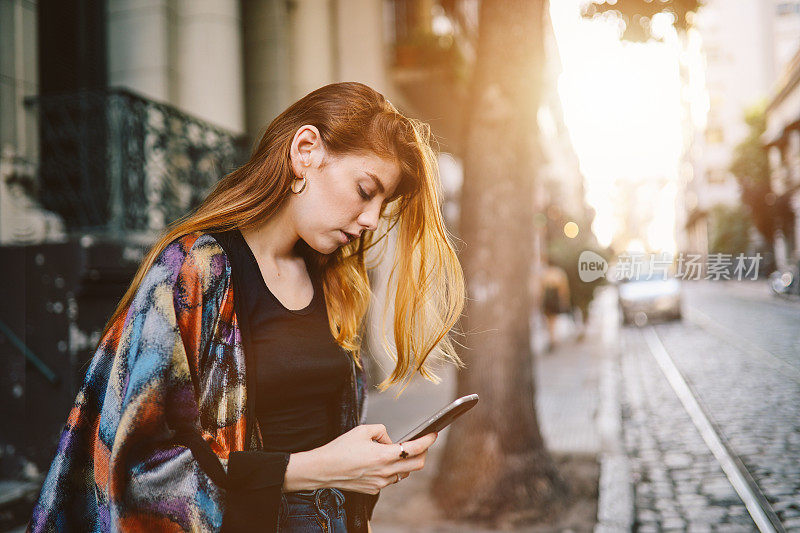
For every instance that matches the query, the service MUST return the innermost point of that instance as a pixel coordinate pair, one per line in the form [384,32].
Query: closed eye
[363,193]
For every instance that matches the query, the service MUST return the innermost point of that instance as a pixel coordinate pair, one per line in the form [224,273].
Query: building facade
[782,142]
[743,47]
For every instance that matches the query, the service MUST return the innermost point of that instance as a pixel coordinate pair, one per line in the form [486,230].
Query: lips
[348,236]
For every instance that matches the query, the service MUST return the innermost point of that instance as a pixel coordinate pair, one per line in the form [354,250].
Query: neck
[275,238]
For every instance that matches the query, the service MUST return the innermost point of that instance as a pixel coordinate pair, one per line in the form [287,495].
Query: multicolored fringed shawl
[166,385]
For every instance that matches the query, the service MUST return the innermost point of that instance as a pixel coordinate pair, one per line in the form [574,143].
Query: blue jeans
[312,511]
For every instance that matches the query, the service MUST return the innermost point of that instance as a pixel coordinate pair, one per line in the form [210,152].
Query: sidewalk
[568,399]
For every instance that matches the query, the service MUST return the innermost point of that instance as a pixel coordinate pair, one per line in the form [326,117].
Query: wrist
[303,472]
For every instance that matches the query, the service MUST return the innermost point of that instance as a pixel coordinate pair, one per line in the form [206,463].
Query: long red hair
[426,279]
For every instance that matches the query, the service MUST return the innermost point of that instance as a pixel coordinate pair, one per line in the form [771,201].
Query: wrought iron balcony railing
[114,162]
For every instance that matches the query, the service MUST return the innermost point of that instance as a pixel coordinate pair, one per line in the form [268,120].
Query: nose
[369,217]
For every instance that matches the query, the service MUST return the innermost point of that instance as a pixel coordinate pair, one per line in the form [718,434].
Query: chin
[325,248]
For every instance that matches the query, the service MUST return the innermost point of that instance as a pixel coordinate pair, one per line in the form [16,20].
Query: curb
[615,504]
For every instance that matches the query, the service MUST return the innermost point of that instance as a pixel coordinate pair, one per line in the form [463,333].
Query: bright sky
[623,111]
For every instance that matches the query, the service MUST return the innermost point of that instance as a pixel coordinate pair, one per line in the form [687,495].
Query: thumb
[377,432]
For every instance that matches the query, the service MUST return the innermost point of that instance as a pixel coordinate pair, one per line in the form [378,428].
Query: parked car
[644,299]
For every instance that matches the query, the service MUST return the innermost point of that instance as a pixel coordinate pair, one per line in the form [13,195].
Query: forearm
[304,472]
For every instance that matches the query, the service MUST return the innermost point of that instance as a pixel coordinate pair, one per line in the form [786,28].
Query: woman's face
[343,194]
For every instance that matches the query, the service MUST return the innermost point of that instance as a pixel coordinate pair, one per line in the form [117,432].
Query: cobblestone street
[677,481]
[738,352]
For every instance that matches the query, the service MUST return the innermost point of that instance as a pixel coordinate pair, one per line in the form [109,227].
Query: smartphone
[442,418]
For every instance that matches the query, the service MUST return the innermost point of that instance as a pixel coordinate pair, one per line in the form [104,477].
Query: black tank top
[300,368]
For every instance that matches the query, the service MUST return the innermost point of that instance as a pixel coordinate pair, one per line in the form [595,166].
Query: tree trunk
[495,467]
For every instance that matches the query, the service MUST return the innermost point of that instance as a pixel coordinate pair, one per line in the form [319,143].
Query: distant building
[744,46]
[782,141]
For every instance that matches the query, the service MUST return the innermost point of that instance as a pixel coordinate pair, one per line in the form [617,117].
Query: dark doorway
[73,76]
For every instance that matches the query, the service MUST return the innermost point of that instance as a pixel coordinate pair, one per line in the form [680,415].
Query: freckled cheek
[341,205]
[327,216]
[332,208]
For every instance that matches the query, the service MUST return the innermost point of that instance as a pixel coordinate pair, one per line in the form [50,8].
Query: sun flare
[623,109]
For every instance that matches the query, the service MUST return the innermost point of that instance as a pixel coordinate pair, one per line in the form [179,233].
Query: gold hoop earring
[302,187]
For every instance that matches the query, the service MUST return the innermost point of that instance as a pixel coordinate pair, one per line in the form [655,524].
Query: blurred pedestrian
[555,299]
[227,387]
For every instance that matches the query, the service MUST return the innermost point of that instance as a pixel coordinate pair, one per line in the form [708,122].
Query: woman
[227,388]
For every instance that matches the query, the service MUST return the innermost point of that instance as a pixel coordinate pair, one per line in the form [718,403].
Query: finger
[403,475]
[406,467]
[412,462]
[417,446]
[416,462]
[403,452]
[391,479]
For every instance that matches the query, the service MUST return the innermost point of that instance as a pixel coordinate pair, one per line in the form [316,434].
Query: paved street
[737,353]
[738,349]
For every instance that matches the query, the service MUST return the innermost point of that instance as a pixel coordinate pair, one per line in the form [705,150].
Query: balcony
[115,163]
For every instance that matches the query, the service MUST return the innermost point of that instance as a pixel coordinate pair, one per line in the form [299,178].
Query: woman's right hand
[361,460]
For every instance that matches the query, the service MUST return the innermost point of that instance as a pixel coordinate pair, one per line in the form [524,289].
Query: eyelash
[363,194]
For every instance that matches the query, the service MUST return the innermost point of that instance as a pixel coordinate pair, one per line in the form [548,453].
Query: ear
[306,149]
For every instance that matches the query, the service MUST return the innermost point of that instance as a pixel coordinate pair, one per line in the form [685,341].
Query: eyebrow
[376,180]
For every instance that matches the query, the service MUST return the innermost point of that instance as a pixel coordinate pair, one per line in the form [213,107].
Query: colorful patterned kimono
[162,435]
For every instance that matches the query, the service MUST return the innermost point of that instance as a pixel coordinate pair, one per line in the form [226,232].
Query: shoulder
[196,256]
[197,244]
